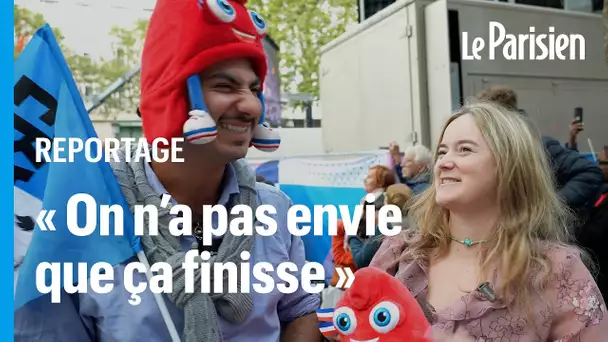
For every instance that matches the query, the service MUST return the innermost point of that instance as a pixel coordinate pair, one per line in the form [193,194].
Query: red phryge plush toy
[184,38]
[376,308]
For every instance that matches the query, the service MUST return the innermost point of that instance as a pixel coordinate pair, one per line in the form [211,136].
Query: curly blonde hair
[400,195]
[531,213]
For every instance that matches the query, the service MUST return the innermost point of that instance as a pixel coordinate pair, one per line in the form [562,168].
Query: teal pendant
[468,242]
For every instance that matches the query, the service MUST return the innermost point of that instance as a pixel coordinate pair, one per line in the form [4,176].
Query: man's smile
[235,127]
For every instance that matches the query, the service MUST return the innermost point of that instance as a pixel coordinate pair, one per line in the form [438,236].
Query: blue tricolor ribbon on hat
[326,322]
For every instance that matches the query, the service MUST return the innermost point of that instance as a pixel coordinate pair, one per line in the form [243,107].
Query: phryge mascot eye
[376,308]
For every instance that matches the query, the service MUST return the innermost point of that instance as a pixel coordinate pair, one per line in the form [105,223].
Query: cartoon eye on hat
[258,23]
[222,9]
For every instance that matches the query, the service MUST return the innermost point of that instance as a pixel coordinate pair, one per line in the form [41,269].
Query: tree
[85,72]
[26,24]
[127,51]
[92,76]
[301,28]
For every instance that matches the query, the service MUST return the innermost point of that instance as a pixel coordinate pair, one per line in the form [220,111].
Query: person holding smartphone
[576,126]
[578,179]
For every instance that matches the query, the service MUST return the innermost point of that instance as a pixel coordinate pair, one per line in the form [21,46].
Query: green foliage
[26,24]
[127,50]
[94,76]
[301,28]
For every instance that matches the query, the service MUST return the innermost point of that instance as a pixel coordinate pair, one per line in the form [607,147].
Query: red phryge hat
[184,38]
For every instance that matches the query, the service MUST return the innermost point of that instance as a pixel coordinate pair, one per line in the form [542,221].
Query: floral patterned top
[571,310]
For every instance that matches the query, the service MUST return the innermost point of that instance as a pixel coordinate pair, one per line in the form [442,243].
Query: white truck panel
[547,90]
[517,19]
[392,77]
[339,77]
[437,67]
[365,87]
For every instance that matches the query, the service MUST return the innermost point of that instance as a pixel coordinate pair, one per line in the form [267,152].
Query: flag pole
[159,300]
[592,150]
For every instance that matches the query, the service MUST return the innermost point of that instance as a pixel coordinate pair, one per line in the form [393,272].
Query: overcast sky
[86,23]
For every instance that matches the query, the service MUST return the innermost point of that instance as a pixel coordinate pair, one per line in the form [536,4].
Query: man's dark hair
[500,94]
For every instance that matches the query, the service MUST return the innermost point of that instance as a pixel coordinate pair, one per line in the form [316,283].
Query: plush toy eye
[384,317]
[258,22]
[222,9]
[345,320]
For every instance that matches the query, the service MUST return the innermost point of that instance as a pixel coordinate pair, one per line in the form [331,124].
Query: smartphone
[578,115]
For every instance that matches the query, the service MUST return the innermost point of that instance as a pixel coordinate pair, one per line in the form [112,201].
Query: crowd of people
[495,203]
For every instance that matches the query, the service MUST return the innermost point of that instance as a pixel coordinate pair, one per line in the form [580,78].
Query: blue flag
[48,105]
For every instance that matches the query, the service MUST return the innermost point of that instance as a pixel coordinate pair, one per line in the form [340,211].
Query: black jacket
[579,180]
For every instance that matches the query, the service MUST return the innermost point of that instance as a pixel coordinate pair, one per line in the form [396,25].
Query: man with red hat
[203,68]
